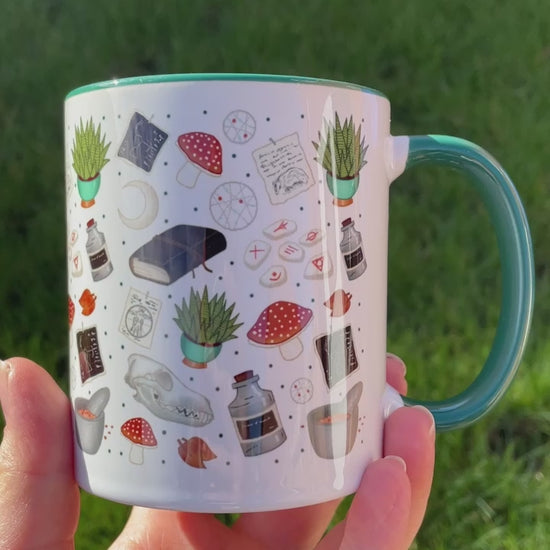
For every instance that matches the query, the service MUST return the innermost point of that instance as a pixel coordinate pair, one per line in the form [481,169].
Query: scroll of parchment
[283,167]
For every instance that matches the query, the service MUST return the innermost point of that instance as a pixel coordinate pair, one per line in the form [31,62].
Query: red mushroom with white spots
[280,325]
[140,434]
[204,155]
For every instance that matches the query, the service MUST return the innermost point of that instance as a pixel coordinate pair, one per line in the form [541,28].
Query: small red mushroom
[204,154]
[279,325]
[139,432]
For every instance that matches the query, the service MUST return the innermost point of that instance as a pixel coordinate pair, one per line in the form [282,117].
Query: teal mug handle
[516,254]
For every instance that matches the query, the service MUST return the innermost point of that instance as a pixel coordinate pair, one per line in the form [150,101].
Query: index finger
[395,373]
[410,433]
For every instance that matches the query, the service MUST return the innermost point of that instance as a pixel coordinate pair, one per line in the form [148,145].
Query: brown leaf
[195,452]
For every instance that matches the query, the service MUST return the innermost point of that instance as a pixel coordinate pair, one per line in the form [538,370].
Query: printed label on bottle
[99,259]
[258,426]
[354,258]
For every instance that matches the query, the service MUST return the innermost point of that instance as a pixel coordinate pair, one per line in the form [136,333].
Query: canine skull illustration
[164,395]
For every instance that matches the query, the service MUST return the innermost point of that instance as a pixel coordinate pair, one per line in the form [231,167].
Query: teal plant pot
[342,189]
[198,355]
[87,189]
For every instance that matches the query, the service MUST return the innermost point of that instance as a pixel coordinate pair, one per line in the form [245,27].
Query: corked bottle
[96,247]
[255,416]
[351,247]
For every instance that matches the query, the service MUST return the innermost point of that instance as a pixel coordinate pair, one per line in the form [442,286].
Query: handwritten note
[283,167]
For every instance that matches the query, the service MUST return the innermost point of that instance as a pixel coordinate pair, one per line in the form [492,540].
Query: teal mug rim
[204,77]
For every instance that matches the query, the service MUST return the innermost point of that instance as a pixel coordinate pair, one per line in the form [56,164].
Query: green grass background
[479,70]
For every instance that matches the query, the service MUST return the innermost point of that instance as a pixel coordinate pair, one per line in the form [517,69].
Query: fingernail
[4,366]
[5,369]
[397,460]
[397,360]
[429,415]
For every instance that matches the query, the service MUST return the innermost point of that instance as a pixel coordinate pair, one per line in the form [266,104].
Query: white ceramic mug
[227,239]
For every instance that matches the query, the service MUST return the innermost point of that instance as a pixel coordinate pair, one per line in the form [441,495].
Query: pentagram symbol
[239,126]
[139,321]
[233,205]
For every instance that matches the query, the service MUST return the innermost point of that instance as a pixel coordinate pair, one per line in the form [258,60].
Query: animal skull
[165,395]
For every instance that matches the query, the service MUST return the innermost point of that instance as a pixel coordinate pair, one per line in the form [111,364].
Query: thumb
[39,498]
[379,514]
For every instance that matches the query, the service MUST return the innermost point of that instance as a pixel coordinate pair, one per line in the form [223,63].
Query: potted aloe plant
[89,157]
[341,152]
[206,323]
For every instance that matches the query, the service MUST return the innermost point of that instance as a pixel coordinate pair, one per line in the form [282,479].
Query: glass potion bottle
[351,247]
[96,247]
[255,416]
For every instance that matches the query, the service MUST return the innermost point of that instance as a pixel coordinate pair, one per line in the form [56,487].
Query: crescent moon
[150,210]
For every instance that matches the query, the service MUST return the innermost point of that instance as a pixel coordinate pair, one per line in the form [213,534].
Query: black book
[175,252]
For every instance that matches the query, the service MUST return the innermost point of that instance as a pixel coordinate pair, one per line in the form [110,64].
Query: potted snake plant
[89,154]
[341,152]
[206,323]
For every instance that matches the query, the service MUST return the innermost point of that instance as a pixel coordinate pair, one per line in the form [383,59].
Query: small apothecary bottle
[96,247]
[255,416]
[351,247]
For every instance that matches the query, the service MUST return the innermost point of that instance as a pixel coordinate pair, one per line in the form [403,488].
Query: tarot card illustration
[89,354]
[139,318]
[337,354]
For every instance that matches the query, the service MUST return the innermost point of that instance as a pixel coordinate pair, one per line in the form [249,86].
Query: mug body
[227,289]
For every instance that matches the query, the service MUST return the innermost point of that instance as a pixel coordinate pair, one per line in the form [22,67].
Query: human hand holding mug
[33,467]
[228,254]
